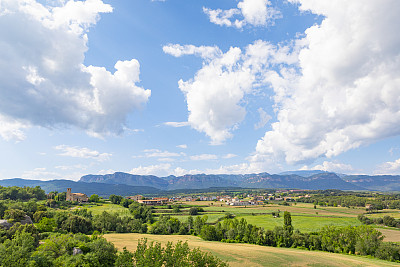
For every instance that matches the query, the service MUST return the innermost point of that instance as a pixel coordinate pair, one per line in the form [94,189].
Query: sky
[180,87]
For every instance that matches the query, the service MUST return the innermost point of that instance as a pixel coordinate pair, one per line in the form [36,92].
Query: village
[243,199]
[231,199]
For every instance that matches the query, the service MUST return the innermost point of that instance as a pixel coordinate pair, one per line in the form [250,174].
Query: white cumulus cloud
[177,50]
[213,96]
[177,124]
[248,12]
[43,81]
[82,152]
[344,92]
[204,157]
[389,167]
[229,156]
[216,94]
[156,153]
[331,167]
[41,174]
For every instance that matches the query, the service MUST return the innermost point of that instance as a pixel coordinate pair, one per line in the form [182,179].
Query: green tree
[124,259]
[2,209]
[14,215]
[77,224]
[287,222]
[61,196]
[193,211]
[94,198]
[208,232]
[17,252]
[101,253]
[115,199]
[46,225]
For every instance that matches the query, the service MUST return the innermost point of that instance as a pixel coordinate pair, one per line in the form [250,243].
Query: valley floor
[252,255]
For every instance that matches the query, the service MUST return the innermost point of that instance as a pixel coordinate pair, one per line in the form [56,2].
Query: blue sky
[193,86]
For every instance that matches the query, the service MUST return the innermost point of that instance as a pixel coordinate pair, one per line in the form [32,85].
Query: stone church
[77,197]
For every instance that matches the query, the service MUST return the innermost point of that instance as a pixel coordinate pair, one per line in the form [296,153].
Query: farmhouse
[240,203]
[154,201]
[136,198]
[78,197]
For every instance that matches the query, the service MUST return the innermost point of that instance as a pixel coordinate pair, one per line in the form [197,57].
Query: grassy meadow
[252,255]
[111,208]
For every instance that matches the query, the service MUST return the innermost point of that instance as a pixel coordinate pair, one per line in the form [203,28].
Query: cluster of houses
[229,200]
[252,199]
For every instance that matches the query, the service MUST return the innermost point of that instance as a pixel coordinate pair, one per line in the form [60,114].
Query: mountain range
[322,180]
[129,184]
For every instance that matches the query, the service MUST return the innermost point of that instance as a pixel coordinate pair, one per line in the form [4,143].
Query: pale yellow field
[391,235]
[244,255]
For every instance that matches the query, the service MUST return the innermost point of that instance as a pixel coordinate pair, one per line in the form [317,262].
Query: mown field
[252,255]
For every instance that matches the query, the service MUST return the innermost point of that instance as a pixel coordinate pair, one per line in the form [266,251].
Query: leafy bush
[14,215]
[172,255]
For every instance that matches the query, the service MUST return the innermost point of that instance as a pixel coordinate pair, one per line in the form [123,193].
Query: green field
[304,217]
[212,217]
[304,223]
[393,213]
[252,255]
[112,208]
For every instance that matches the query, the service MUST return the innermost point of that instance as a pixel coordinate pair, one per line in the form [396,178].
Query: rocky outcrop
[7,225]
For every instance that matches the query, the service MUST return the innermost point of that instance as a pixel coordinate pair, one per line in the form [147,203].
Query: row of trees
[386,220]
[82,221]
[172,255]
[334,198]
[21,193]
[361,240]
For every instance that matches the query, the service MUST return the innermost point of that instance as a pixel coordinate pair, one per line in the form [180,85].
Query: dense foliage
[23,249]
[386,220]
[372,201]
[172,255]
[21,193]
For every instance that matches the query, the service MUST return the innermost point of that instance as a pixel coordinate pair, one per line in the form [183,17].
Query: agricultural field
[251,255]
[393,213]
[111,208]
[304,223]
[304,217]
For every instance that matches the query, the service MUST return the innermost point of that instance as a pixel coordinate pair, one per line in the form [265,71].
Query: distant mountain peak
[303,173]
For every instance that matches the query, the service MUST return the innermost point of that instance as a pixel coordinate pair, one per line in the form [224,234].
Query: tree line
[22,248]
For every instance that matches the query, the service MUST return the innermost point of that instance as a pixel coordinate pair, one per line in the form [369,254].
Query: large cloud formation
[347,91]
[43,80]
[334,89]
[215,95]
